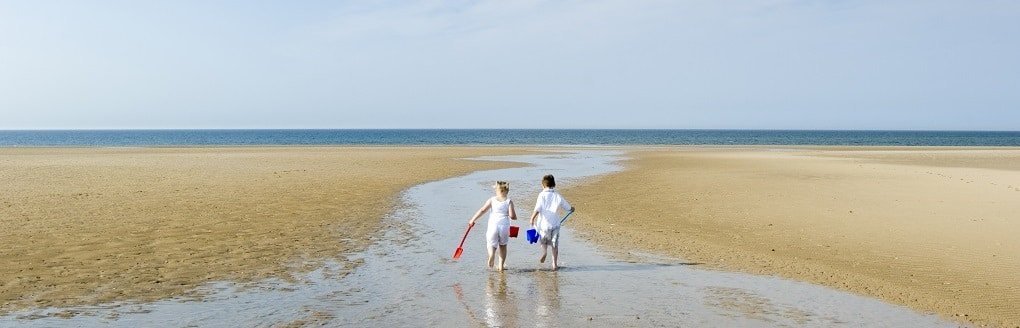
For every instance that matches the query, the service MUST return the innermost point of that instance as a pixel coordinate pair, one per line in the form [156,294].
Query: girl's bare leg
[492,253]
[502,257]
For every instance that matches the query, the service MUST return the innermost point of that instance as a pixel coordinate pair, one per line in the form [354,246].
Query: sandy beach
[94,225]
[932,229]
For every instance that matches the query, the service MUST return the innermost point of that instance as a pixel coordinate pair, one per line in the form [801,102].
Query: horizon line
[494,129]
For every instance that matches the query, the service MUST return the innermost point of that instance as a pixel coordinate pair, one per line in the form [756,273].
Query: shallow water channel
[409,279]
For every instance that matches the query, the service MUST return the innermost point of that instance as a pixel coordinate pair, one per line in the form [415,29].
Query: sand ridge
[932,229]
[94,225]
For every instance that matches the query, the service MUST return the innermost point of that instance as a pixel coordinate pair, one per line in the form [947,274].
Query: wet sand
[933,229]
[408,279]
[95,225]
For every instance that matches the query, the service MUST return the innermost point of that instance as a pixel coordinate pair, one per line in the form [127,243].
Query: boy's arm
[566,205]
[513,212]
[538,207]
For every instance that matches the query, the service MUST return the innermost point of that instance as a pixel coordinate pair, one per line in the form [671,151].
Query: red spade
[460,249]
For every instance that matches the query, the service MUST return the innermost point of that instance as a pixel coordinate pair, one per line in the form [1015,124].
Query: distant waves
[127,138]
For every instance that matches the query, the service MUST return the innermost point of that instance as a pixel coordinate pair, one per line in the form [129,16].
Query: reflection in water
[459,292]
[500,306]
[547,283]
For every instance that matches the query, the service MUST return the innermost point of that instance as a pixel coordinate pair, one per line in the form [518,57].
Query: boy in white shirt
[548,203]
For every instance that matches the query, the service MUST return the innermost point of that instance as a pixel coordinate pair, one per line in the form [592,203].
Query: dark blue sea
[130,138]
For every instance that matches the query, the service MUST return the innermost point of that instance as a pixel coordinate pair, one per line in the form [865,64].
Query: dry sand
[86,226]
[937,230]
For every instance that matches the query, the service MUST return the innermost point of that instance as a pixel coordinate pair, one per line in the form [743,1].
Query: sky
[709,64]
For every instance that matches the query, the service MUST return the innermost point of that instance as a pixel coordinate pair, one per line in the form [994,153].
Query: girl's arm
[513,213]
[481,211]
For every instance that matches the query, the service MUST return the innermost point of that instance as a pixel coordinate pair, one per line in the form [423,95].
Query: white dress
[498,231]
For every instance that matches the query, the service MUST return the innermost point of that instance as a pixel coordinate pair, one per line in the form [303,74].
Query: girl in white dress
[498,232]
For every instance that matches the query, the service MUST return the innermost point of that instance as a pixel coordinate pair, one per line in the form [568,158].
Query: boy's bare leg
[556,253]
[502,257]
[492,253]
[542,259]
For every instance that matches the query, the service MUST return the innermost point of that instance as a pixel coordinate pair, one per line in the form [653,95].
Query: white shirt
[548,202]
[500,212]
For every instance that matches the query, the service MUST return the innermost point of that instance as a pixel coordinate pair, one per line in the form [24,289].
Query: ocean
[159,138]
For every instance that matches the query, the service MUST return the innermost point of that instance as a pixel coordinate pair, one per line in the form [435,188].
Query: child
[549,201]
[498,232]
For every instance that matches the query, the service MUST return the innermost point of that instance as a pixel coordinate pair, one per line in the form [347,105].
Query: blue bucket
[532,236]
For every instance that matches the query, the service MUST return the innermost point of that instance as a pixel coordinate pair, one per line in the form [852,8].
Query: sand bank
[85,226]
[933,229]
[407,278]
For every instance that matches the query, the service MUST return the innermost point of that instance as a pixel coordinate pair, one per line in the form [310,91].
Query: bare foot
[542,259]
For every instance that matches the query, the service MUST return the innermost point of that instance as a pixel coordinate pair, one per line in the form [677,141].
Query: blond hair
[503,186]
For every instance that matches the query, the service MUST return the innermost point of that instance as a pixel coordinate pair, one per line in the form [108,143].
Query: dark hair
[549,181]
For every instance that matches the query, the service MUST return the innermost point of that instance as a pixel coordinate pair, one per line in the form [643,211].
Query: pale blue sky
[772,64]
